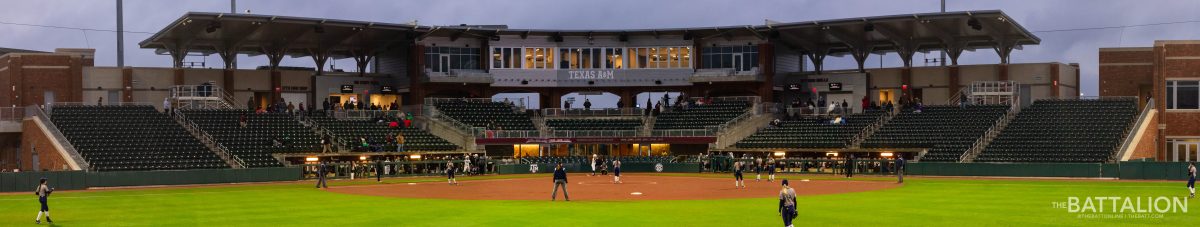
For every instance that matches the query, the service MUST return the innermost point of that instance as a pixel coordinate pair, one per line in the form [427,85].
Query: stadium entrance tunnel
[584,187]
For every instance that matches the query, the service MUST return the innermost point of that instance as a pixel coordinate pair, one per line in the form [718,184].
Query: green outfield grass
[920,202]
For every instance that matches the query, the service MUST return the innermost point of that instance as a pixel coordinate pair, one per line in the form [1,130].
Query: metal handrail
[682,132]
[104,104]
[557,112]
[592,133]
[978,146]
[12,113]
[34,111]
[1137,124]
[204,135]
[484,133]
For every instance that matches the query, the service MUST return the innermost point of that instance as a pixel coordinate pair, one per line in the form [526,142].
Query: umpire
[560,179]
[900,162]
[321,176]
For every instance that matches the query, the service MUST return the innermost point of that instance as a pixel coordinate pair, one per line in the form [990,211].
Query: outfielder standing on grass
[1191,185]
[43,192]
[737,175]
[787,204]
[616,171]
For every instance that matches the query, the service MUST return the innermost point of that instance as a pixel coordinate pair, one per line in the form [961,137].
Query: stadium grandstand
[681,94]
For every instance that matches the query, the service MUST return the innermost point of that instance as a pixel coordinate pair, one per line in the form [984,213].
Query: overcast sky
[1041,16]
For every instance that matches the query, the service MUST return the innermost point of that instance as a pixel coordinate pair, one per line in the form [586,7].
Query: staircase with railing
[207,140]
[58,138]
[871,129]
[991,134]
[1140,124]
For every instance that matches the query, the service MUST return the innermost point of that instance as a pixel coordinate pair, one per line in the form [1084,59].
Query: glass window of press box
[660,57]
[517,58]
[1183,94]
[738,58]
[444,59]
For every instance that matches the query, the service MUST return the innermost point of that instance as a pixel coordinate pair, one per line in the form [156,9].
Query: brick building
[1169,73]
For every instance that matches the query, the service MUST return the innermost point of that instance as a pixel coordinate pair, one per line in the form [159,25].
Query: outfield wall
[76,180]
[1123,170]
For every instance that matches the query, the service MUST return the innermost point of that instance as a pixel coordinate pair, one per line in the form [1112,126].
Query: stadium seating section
[479,114]
[351,130]
[1064,131]
[117,138]
[701,116]
[594,123]
[254,143]
[947,131]
[811,132]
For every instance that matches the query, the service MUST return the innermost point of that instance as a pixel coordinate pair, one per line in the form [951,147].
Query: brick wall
[1148,144]
[33,136]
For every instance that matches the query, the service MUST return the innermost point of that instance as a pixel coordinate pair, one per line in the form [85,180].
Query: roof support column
[954,50]
[818,59]
[274,56]
[319,57]
[361,60]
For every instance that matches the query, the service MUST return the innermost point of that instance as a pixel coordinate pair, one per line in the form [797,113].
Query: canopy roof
[209,33]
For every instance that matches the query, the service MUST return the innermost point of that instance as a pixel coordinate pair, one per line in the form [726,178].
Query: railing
[751,99]
[103,104]
[870,130]
[484,133]
[1116,98]
[208,139]
[12,113]
[367,114]
[185,91]
[1137,124]
[593,133]
[559,112]
[709,131]
[431,101]
[980,144]
[34,111]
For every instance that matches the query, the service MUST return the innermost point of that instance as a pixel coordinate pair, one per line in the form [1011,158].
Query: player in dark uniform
[43,192]
[1191,185]
[321,176]
[450,174]
[770,169]
[617,171]
[787,204]
[737,175]
[758,167]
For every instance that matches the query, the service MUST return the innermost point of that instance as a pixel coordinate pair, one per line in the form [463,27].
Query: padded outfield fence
[75,180]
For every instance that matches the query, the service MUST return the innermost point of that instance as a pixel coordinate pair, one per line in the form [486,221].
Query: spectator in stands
[167,107]
[866,103]
[363,145]
[250,104]
[301,107]
[326,144]
[567,104]
[325,105]
[290,108]
[560,180]
[242,120]
[100,102]
[962,101]
[620,104]
[587,104]
[399,142]
[776,123]
[845,107]
[918,106]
